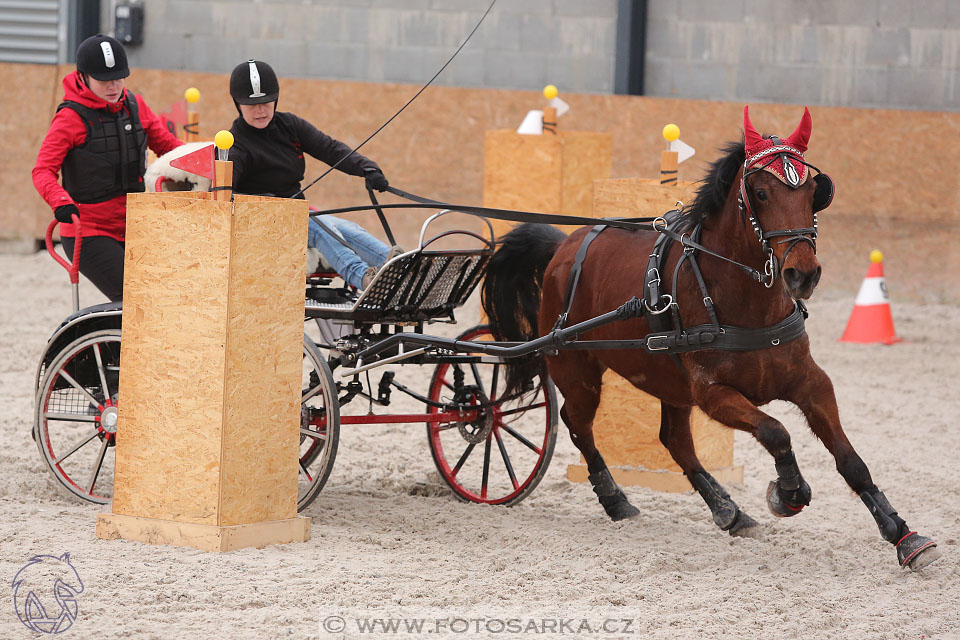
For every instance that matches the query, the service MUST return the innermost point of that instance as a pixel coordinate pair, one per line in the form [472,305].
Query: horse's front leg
[815,397]
[789,493]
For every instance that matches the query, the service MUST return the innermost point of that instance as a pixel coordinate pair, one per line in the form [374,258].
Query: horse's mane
[715,186]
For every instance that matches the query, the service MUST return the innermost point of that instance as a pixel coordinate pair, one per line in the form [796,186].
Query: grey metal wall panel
[28,31]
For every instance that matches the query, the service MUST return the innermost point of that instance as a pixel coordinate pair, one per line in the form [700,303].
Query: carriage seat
[417,285]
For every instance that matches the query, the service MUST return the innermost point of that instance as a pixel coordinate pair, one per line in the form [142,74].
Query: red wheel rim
[493,448]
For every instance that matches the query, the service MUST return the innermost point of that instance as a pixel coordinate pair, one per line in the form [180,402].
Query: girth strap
[574,278]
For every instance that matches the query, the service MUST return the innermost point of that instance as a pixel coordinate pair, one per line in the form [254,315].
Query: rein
[657,224]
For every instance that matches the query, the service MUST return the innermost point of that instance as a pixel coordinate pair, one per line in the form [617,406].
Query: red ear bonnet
[788,151]
[801,136]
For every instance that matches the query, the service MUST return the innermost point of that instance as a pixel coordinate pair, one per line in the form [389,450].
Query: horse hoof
[776,504]
[618,507]
[622,511]
[915,551]
[745,527]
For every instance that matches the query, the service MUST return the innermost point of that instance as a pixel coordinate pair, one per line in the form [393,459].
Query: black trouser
[101,261]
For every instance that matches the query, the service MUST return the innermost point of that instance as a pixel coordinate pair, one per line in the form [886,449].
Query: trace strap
[657,224]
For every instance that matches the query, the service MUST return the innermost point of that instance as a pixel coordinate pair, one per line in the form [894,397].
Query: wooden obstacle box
[627,425]
[208,433]
[548,173]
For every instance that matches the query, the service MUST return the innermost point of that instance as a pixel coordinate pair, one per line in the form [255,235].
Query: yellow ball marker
[550,92]
[223,139]
[876,256]
[192,95]
[671,132]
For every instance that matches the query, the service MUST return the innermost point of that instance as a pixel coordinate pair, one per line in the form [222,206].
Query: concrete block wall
[863,53]
[522,44]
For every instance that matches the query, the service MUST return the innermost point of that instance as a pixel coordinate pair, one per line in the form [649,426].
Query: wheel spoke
[463,458]
[101,371]
[76,385]
[493,383]
[75,448]
[522,439]
[506,459]
[476,376]
[447,384]
[486,469]
[306,473]
[97,465]
[311,392]
[529,407]
[316,435]
[447,426]
[69,417]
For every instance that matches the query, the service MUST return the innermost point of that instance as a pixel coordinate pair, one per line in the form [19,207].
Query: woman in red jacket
[98,141]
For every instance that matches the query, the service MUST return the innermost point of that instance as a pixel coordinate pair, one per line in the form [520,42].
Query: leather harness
[669,336]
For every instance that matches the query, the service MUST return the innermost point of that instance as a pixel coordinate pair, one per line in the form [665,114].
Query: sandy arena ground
[390,540]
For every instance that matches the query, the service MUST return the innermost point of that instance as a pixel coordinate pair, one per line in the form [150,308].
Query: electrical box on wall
[128,24]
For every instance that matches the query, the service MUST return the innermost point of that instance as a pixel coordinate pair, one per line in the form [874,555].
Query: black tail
[511,293]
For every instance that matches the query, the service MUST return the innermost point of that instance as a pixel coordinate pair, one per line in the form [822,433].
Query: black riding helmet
[254,82]
[102,58]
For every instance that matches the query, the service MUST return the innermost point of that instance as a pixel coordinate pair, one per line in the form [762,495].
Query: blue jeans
[351,265]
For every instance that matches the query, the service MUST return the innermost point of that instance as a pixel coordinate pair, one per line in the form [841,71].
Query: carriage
[488,447]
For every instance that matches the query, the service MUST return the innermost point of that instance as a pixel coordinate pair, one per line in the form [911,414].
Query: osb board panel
[29,103]
[586,157]
[522,172]
[436,148]
[627,430]
[263,361]
[174,331]
[111,526]
[546,173]
[630,197]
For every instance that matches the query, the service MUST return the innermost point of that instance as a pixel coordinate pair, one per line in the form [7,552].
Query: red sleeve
[66,132]
[159,138]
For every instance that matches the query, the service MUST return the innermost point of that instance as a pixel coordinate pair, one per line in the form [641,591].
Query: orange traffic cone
[871,320]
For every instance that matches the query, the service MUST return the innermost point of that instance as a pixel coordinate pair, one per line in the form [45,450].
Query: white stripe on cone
[872,291]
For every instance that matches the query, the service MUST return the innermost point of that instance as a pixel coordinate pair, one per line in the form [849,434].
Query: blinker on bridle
[787,155]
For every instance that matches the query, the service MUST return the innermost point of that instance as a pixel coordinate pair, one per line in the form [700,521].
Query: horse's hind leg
[816,399]
[579,381]
[676,437]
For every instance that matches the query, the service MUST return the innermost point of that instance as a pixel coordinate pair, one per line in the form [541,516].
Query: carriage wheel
[501,456]
[76,416]
[319,425]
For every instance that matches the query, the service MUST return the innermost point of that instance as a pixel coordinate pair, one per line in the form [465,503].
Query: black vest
[113,158]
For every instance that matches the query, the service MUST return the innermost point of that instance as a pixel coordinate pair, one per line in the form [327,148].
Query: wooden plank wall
[895,170]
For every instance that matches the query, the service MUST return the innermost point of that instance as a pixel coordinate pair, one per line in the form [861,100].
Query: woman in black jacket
[267,157]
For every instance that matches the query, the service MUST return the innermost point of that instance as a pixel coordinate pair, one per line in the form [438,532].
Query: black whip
[422,89]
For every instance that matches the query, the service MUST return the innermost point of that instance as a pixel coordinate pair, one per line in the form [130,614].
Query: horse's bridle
[786,153]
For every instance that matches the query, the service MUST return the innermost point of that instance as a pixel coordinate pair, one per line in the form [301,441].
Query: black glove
[65,212]
[377,181]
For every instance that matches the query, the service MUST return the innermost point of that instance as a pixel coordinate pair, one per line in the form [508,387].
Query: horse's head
[780,200]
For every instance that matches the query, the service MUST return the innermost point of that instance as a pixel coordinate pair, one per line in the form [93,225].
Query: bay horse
[735,341]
